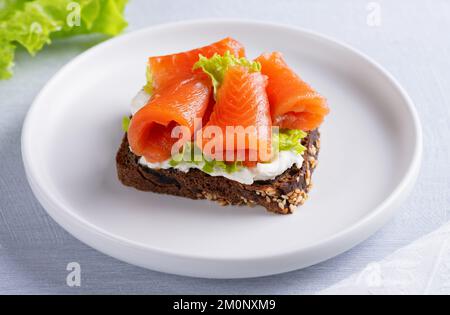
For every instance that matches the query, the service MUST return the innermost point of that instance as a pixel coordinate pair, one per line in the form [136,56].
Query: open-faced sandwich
[212,124]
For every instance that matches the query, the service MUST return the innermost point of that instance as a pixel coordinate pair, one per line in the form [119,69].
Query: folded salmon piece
[179,96]
[149,133]
[242,114]
[171,69]
[293,103]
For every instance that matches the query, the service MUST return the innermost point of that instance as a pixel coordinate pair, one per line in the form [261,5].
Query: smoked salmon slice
[150,129]
[241,110]
[294,104]
[171,69]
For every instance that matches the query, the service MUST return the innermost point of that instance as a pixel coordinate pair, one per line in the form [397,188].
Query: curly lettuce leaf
[31,28]
[6,59]
[192,155]
[229,167]
[107,19]
[32,24]
[189,153]
[148,87]
[217,66]
[289,140]
[8,7]
[125,123]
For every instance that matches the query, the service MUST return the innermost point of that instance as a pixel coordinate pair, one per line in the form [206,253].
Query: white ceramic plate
[369,159]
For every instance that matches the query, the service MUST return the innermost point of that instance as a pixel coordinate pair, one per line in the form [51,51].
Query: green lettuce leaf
[217,65]
[6,59]
[8,7]
[229,167]
[33,23]
[125,123]
[191,154]
[148,87]
[289,140]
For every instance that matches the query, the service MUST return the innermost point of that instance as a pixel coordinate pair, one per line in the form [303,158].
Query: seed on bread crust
[270,191]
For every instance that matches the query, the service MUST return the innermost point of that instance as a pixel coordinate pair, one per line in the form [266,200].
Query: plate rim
[78,223]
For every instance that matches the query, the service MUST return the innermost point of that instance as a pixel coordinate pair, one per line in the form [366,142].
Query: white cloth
[422,267]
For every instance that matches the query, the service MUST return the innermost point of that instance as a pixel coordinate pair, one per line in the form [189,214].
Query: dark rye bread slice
[281,195]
